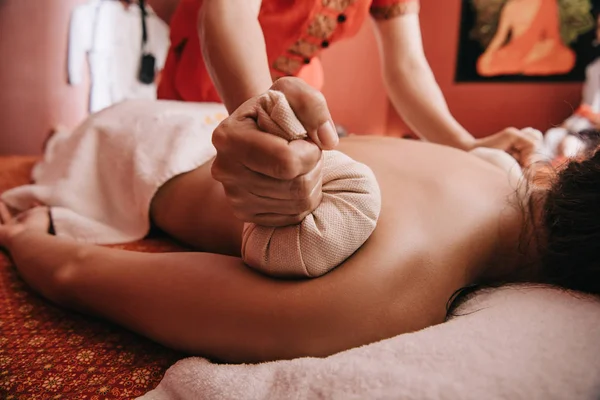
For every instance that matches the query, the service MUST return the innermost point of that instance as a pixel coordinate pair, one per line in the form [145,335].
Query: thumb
[503,140]
[311,109]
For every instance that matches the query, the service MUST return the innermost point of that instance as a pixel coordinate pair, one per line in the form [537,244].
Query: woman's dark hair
[569,225]
[570,257]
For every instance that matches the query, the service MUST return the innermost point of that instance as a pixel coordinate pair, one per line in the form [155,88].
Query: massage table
[509,343]
[50,353]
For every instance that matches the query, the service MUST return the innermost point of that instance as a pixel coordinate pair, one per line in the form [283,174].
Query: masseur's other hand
[523,144]
[268,180]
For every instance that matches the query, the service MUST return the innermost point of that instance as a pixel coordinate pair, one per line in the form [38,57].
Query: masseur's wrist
[468,143]
[235,100]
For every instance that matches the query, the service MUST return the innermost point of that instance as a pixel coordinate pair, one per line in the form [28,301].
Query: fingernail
[327,135]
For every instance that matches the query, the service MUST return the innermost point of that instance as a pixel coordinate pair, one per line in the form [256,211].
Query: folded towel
[99,180]
[509,344]
[331,233]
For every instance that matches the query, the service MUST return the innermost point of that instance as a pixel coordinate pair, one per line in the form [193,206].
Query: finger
[311,108]
[265,186]
[533,134]
[264,153]
[529,142]
[250,204]
[278,220]
[5,215]
[508,134]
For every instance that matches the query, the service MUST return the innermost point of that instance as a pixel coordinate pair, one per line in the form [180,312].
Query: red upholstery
[50,353]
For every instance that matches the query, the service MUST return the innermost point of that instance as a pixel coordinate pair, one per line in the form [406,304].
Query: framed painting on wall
[526,40]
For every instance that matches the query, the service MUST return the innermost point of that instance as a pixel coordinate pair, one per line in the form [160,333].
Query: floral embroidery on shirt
[304,48]
[338,5]
[322,26]
[287,65]
[316,37]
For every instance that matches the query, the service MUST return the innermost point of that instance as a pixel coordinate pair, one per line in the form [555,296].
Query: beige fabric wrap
[330,234]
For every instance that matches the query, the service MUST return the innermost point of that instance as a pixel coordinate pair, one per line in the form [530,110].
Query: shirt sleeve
[388,9]
[80,41]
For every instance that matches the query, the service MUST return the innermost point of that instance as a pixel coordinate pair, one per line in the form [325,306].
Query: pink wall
[481,108]
[353,85]
[34,94]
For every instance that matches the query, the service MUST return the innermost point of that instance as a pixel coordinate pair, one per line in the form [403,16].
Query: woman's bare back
[438,227]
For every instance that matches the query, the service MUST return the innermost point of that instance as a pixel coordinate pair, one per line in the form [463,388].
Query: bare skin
[435,235]
[234,50]
[447,220]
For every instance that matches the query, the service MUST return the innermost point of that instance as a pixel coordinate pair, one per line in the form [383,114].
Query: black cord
[147,70]
[144,14]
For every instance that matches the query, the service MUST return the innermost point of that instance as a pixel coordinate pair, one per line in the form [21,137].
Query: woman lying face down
[448,219]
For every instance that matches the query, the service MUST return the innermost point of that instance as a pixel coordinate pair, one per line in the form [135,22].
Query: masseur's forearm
[233,47]
[417,97]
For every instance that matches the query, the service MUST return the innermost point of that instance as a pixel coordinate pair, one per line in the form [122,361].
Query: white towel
[517,344]
[99,180]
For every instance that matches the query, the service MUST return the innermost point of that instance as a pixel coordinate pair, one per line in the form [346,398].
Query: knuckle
[286,165]
[216,171]
[296,218]
[284,84]
[312,102]
[313,202]
[512,131]
[243,216]
[220,136]
[303,205]
[319,99]
[301,187]
[233,195]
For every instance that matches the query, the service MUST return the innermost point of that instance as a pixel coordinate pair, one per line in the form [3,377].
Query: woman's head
[571,217]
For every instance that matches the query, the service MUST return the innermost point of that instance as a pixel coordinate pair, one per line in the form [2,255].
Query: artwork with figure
[526,40]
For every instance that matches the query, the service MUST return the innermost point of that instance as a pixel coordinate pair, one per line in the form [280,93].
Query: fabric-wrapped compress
[329,235]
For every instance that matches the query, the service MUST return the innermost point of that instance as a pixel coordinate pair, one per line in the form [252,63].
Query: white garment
[554,137]
[111,36]
[591,88]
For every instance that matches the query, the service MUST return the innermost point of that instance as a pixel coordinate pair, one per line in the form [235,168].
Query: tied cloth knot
[330,234]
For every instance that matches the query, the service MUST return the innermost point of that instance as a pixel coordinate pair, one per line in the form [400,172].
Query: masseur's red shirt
[295,33]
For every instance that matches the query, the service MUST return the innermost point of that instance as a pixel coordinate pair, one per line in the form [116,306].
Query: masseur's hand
[523,144]
[268,180]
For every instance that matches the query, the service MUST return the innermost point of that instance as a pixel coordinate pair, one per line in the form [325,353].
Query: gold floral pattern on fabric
[322,26]
[304,48]
[288,66]
[50,353]
[395,10]
[317,36]
[338,5]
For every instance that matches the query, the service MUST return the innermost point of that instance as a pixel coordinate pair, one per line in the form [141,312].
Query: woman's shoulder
[502,160]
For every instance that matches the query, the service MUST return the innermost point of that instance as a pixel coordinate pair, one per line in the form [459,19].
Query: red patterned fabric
[50,353]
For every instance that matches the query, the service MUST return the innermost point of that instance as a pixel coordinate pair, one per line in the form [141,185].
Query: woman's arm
[411,85]
[212,305]
[233,47]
